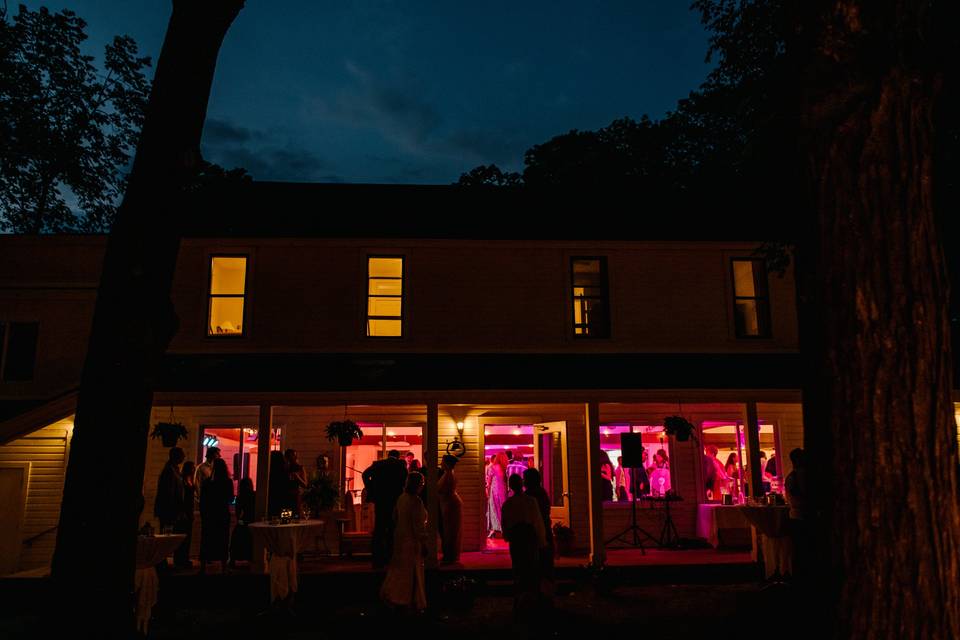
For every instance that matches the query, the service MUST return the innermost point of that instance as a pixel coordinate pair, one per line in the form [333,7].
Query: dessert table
[151,551]
[284,542]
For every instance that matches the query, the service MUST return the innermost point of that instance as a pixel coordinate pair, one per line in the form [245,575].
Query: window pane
[384,307]
[586,273]
[228,275]
[379,287]
[226,316]
[745,312]
[385,267]
[743,280]
[21,351]
[384,328]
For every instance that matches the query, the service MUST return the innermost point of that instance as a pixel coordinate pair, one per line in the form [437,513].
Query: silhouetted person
[181,557]
[205,469]
[296,479]
[215,498]
[523,530]
[384,481]
[241,543]
[533,487]
[451,510]
[404,584]
[639,480]
[168,505]
[798,497]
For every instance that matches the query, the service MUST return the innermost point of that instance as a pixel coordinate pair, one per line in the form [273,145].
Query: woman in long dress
[451,510]
[496,492]
[404,585]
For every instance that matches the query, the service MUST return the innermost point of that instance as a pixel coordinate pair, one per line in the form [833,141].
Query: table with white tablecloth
[722,525]
[151,551]
[284,542]
[773,532]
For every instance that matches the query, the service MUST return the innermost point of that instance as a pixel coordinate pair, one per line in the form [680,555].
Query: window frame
[210,296]
[403,294]
[5,336]
[604,297]
[764,319]
[633,425]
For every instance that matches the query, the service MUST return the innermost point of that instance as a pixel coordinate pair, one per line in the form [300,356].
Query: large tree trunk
[132,326]
[881,405]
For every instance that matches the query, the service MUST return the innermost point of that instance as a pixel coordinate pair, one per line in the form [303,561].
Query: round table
[773,528]
[284,542]
[151,551]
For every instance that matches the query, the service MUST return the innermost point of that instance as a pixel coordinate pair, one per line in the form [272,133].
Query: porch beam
[430,461]
[598,555]
[264,427]
[753,450]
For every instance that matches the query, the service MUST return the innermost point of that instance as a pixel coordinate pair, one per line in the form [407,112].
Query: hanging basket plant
[679,427]
[169,433]
[344,432]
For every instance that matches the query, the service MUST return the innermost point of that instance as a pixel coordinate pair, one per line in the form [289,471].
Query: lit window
[751,299]
[18,350]
[622,476]
[385,297]
[589,280]
[228,280]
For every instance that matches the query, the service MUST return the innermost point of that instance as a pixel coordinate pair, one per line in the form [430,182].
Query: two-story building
[543,326]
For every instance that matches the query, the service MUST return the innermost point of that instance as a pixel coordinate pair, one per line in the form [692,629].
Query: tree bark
[133,323]
[884,420]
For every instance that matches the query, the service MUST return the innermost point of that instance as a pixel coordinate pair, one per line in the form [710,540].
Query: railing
[29,541]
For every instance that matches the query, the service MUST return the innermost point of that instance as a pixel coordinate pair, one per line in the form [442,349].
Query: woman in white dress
[404,585]
[496,492]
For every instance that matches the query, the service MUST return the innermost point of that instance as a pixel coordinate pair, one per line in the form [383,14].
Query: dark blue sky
[415,91]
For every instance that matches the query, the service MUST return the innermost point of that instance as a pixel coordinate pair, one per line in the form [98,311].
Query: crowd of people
[208,488]
[621,483]
[499,468]
[727,477]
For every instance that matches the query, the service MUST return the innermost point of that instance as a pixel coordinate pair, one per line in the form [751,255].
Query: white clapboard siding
[788,419]
[46,451]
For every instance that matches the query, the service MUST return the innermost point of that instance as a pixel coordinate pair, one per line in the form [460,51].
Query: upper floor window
[18,350]
[751,298]
[228,281]
[385,296]
[590,305]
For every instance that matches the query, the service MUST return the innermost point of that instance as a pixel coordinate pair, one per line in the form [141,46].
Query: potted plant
[563,539]
[322,494]
[344,431]
[678,427]
[169,433]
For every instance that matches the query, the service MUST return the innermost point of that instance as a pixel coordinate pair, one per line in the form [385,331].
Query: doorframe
[25,467]
[482,422]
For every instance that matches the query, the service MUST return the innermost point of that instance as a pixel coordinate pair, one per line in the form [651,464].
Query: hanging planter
[679,427]
[344,431]
[169,433]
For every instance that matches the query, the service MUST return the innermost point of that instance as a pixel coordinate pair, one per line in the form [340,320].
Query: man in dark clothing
[533,487]
[639,481]
[384,481]
[169,505]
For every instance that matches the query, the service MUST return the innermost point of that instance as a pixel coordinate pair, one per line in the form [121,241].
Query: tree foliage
[67,130]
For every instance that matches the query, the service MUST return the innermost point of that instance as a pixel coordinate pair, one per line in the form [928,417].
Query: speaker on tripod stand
[631,452]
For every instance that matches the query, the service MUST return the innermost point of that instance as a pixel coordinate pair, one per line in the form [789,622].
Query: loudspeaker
[631,448]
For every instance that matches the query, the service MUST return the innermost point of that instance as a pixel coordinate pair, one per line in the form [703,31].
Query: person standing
[296,479]
[241,542]
[181,556]
[205,469]
[384,481]
[622,485]
[404,585]
[168,505]
[451,511]
[215,498]
[496,492]
[714,475]
[606,477]
[533,487]
[524,531]
[639,480]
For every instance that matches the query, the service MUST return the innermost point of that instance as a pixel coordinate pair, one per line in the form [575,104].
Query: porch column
[753,449]
[598,555]
[264,424]
[430,460]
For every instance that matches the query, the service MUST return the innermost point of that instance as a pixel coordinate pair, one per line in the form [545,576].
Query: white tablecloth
[712,518]
[284,542]
[151,550]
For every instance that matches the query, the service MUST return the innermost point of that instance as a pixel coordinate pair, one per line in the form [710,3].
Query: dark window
[591,318]
[18,347]
[751,298]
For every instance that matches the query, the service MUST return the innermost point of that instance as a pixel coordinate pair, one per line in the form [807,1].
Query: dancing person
[215,498]
[496,492]
[384,481]
[403,585]
[451,511]
[524,531]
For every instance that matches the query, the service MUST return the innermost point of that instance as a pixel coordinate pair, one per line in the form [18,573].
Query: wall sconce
[460,428]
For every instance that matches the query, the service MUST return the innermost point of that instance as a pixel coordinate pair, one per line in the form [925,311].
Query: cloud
[217,131]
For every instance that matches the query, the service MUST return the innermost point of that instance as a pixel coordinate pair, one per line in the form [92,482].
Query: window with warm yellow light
[228,281]
[590,305]
[385,296]
[751,299]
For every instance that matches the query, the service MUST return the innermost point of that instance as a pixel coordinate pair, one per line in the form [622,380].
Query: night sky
[419,92]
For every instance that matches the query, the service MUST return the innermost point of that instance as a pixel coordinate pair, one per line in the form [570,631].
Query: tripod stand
[634,529]
[669,537]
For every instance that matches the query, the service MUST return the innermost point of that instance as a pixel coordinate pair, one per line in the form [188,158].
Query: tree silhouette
[66,132]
